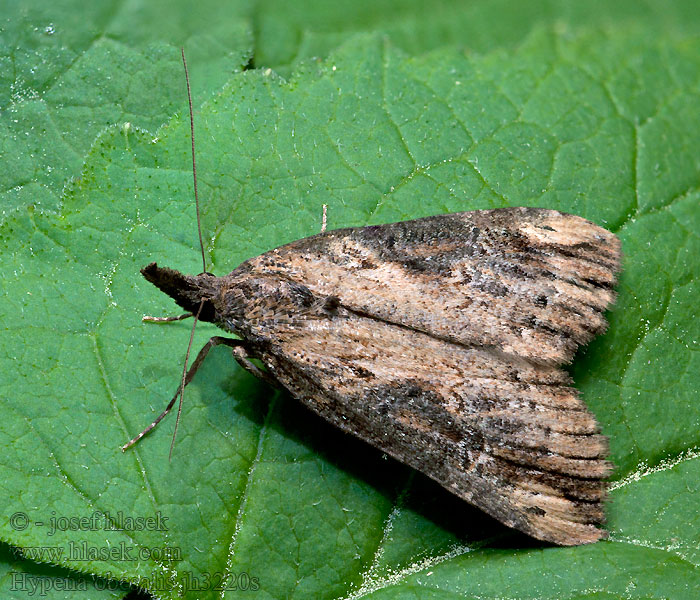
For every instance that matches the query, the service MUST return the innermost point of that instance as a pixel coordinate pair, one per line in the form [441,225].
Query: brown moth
[438,341]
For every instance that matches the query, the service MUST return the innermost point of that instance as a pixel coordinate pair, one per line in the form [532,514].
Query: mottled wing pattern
[531,282]
[506,434]
[437,341]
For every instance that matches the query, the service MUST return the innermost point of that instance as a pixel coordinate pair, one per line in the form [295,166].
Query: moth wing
[530,282]
[437,340]
[501,432]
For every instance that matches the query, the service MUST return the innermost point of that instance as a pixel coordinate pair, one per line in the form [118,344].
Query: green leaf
[69,70]
[22,577]
[287,32]
[260,488]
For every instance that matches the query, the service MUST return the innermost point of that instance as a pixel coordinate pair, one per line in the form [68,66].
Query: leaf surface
[261,489]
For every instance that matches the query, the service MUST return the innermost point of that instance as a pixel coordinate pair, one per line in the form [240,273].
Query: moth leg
[214,341]
[150,319]
[324,219]
[243,358]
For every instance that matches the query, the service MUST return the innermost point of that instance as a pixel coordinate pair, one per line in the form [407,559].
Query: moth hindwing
[439,342]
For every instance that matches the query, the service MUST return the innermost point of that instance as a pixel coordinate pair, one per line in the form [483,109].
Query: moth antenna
[194,162]
[201,247]
[184,378]
[181,391]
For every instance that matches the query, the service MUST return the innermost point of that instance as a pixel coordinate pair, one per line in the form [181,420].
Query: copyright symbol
[19,521]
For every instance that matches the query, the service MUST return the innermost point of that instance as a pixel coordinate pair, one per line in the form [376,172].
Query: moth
[440,342]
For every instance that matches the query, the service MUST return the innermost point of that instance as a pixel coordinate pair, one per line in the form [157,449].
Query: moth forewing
[438,341]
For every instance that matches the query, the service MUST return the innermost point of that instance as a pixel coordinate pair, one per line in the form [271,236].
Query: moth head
[187,290]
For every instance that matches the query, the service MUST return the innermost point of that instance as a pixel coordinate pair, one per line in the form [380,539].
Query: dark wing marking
[437,341]
[506,434]
[530,282]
